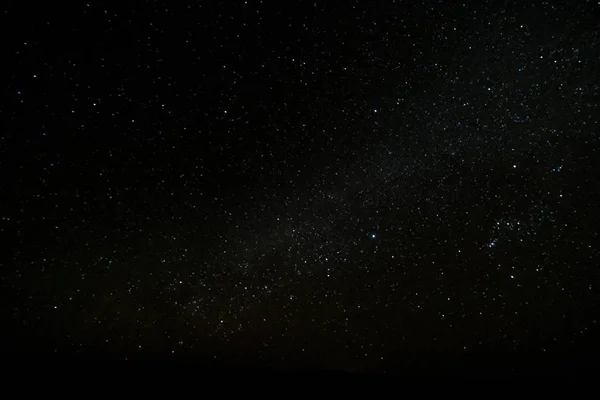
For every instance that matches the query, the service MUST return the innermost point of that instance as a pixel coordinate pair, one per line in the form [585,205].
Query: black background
[359,186]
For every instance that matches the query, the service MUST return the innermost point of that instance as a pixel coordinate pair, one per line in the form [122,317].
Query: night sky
[343,186]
